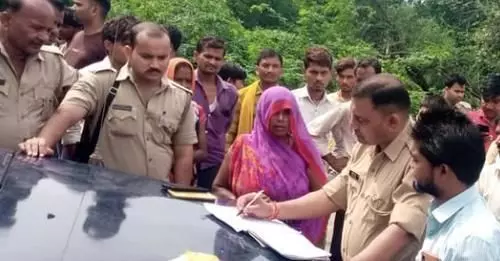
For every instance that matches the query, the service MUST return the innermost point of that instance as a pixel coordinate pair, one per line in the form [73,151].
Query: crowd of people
[113,92]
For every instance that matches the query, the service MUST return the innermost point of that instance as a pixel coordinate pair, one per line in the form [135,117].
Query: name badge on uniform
[354,175]
[2,82]
[121,107]
[428,257]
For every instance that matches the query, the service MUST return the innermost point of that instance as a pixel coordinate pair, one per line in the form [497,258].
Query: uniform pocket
[380,209]
[45,100]
[122,122]
[169,127]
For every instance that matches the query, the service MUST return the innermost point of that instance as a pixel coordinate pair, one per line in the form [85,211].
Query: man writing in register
[384,216]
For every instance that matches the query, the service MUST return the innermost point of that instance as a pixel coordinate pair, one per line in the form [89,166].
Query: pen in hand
[251,202]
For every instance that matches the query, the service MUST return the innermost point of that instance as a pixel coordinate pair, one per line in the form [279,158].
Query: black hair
[118,29]
[175,36]
[58,5]
[232,71]
[455,78]
[435,102]
[370,62]
[152,30]
[385,91]
[448,137]
[492,88]
[13,5]
[105,6]
[269,53]
[345,64]
[210,42]
[318,55]
[70,18]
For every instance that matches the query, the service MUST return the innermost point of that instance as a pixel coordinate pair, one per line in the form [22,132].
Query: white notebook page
[275,234]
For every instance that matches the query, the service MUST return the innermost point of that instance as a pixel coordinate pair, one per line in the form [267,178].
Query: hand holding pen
[256,204]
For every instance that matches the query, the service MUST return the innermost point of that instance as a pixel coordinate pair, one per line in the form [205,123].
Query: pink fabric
[259,161]
[478,118]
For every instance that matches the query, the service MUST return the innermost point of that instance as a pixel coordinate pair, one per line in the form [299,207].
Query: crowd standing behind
[112,93]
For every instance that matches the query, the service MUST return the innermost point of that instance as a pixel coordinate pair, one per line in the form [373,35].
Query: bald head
[385,91]
[41,5]
[149,52]
[144,30]
[28,23]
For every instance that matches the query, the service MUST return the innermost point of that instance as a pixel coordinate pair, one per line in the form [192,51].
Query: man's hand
[36,147]
[260,208]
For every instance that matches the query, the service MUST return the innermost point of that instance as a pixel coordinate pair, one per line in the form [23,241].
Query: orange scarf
[172,65]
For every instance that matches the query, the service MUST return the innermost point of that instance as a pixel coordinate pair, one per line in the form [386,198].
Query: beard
[428,188]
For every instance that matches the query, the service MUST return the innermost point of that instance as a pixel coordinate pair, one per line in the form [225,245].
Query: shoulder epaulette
[51,49]
[100,66]
[176,85]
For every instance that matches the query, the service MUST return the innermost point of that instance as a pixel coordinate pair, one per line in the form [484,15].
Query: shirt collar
[446,210]
[396,146]
[3,52]
[221,84]
[303,93]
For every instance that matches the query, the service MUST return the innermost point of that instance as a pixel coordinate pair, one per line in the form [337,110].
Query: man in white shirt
[346,80]
[312,98]
[314,104]
[335,123]
[489,180]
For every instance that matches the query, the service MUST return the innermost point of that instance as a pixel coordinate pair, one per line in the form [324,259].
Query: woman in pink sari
[278,156]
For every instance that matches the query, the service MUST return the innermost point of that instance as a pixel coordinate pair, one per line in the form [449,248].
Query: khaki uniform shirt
[376,190]
[137,137]
[26,104]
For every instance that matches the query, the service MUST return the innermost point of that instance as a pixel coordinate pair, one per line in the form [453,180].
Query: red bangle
[275,212]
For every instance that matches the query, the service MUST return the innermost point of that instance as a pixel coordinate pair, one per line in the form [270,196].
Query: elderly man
[33,79]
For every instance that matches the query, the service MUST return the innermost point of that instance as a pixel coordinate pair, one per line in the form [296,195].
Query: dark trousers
[205,177]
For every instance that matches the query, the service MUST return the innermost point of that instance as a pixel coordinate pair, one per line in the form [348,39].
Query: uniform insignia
[121,107]
[354,175]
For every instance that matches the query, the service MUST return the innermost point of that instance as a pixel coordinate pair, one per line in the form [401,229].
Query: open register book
[273,234]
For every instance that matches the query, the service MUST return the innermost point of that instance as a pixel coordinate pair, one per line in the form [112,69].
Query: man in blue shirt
[448,155]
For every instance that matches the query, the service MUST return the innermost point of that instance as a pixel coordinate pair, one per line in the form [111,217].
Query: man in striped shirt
[448,155]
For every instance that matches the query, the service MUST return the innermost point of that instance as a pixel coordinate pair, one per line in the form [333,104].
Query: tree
[420,41]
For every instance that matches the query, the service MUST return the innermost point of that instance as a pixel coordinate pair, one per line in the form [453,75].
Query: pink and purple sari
[284,172]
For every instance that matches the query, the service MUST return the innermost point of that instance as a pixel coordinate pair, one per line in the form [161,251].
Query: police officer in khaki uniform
[385,217]
[32,77]
[150,124]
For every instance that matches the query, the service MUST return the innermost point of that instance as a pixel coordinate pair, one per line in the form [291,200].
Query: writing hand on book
[262,207]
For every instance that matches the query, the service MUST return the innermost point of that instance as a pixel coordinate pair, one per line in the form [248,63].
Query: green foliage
[420,41]
[267,14]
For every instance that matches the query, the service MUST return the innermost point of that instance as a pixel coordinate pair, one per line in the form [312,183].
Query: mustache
[153,70]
